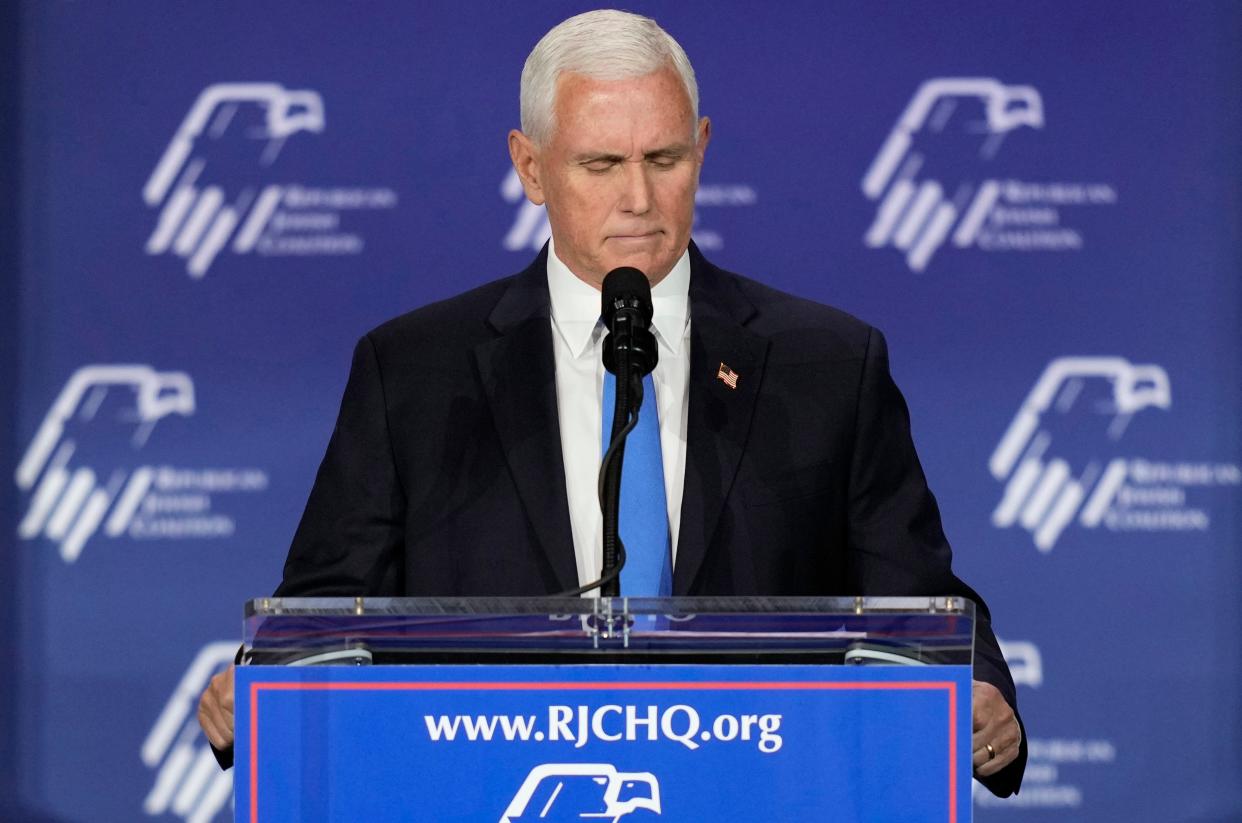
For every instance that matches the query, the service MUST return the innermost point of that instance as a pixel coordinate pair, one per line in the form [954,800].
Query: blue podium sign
[603,742]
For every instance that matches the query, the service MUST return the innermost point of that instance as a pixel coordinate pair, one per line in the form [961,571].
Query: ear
[702,136]
[525,157]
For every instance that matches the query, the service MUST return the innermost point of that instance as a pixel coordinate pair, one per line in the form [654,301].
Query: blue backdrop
[206,204]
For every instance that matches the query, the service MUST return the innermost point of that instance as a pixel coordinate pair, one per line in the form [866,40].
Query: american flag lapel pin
[727,376]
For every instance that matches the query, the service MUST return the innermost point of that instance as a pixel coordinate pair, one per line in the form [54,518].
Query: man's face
[618,174]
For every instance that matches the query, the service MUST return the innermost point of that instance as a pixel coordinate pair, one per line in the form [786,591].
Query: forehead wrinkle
[609,111]
[670,150]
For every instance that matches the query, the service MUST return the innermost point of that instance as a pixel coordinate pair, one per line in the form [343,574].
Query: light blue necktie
[643,515]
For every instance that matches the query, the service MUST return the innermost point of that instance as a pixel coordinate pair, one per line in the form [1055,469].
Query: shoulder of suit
[460,319]
[801,322]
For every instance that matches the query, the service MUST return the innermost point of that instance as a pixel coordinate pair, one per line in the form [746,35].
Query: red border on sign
[948,686]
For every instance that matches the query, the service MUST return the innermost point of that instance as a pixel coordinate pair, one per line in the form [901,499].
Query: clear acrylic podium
[684,709]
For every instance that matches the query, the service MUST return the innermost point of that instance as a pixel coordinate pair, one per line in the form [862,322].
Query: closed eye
[599,163]
[663,159]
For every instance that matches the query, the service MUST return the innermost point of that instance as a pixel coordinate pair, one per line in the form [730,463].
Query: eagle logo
[581,791]
[1088,399]
[915,212]
[70,500]
[197,216]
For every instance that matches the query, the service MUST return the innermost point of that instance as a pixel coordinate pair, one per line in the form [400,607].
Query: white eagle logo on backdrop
[70,500]
[188,781]
[530,229]
[1043,491]
[915,211]
[197,221]
[1026,663]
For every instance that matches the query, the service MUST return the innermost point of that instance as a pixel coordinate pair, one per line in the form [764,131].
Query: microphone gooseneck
[629,353]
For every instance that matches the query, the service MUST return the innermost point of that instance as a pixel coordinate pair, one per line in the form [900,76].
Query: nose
[636,196]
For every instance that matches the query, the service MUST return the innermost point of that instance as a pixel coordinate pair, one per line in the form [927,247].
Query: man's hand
[215,710]
[995,741]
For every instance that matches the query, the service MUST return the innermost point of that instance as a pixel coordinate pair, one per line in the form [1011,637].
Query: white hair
[603,45]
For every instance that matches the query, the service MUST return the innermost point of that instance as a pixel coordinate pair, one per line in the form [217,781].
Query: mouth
[635,238]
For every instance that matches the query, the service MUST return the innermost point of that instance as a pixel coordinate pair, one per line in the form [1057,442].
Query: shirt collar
[575,305]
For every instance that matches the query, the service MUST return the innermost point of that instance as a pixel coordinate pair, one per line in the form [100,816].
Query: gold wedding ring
[991,751]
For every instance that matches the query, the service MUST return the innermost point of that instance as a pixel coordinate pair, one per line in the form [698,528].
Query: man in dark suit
[462,459]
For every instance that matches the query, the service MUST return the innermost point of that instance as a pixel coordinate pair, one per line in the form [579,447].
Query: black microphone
[630,353]
[626,311]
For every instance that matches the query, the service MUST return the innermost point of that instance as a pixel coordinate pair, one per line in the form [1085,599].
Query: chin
[643,260]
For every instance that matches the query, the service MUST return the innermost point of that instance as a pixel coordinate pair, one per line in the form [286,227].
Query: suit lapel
[518,373]
[718,417]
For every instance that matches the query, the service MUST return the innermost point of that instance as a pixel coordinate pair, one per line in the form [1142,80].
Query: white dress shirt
[577,346]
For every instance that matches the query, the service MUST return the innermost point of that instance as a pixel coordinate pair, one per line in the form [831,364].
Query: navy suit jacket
[444,474]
